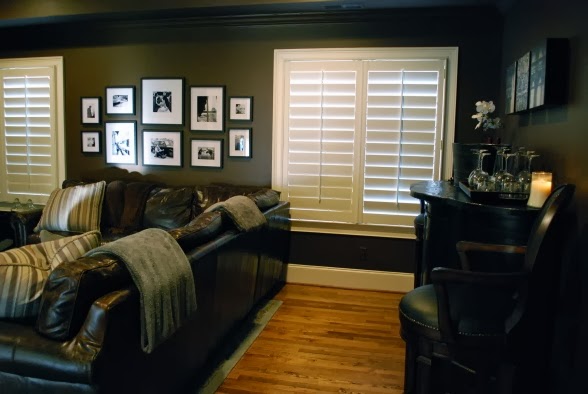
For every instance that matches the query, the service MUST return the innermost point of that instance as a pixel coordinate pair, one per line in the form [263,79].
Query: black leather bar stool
[482,328]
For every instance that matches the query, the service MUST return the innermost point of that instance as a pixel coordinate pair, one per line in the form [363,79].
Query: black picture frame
[522,83]
[206,152]
[91,142]
[162,101]
[162,148]
[241,108]
[239,142]
[207,108]
[120,142]
[91,108]
[510,93]
[120,100]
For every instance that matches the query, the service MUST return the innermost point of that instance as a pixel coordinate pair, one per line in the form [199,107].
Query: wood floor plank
[325,340]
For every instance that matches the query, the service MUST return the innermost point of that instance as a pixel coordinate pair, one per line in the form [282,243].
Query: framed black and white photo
[207,110]
[240,142]
[90,110]
[510,95]
[522,83]
[241,108]
[120,142]
[120,100]
[91,142]
[206,152]
[162,148]
[162,101]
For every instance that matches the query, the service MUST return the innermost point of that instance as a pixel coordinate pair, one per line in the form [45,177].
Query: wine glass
[524,176]
[476,171]
[478,179]
[509,181]
[499,166]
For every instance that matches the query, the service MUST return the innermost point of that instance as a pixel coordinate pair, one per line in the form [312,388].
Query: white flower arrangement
[485,108]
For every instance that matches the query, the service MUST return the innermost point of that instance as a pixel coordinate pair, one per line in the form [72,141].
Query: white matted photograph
[241,108]
[207,112]
[162,148]
[91,142]
[121,142]
[206,152]
[240,142]
[120,100]
[90,110]
[162,101]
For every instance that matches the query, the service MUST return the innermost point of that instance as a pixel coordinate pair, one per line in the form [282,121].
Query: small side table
[7,216]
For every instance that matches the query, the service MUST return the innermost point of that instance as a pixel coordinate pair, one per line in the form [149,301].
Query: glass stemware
[476,171]
[509,182]
[524,176]
[478,179]
[499,168]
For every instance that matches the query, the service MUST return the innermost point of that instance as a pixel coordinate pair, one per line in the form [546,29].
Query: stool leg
[410,369]
[423,375]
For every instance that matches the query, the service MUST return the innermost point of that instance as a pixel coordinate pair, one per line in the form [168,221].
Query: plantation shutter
[322,129]
[403,132]
[28,133]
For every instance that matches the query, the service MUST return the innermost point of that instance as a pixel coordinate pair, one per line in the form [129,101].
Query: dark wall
[559,136]
[238,53]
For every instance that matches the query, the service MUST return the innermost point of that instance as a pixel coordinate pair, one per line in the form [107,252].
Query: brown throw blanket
[163,275]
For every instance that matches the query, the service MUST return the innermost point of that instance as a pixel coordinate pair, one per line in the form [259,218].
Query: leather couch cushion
[201,229]
[72,288]
[24,271]
[265,198]
[77,209]
[169,208]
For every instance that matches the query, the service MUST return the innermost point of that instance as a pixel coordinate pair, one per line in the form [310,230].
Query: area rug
[237,346]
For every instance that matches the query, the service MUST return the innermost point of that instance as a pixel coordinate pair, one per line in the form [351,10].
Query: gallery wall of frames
[110,125]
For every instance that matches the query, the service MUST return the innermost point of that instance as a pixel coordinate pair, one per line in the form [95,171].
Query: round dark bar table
[451,216]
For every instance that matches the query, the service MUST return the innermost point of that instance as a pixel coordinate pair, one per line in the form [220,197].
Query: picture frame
[162,101]
[522,83]
[120,142]
[241,108]
[206,152]
[510,88]
[240,142]
[120,100]
[162,148]
[90,110]
[207,108]
[91,142]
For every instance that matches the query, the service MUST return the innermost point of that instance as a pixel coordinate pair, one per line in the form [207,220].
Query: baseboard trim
[350,278]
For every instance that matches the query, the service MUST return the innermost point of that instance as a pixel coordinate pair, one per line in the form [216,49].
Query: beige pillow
[76,209]
[24,271]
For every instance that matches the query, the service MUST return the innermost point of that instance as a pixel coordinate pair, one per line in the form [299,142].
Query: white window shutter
[28,133]
[354,129]
[322,126]
[402,133]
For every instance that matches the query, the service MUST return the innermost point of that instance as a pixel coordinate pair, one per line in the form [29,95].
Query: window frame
[283,56]
[55,62]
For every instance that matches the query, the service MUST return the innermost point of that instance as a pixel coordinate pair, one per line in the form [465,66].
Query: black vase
[465,161]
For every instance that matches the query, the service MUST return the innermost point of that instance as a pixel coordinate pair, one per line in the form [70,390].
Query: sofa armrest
[71,290]
[92,334]
[23,224]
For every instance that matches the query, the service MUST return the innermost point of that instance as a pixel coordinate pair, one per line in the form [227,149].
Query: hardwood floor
[325,340]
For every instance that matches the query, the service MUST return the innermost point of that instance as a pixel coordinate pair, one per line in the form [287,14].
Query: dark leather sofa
[96,349]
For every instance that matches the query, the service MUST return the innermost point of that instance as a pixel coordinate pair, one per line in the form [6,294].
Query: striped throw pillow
[77,209]
[24,271]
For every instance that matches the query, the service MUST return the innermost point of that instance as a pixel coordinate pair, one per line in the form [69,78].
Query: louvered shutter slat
[28,133]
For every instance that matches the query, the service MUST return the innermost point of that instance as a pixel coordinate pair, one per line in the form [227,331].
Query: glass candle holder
[540,188]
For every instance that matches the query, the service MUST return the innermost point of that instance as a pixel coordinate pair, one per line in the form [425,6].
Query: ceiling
[31,12]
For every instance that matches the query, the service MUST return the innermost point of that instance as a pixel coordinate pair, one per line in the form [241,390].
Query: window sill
[353,229]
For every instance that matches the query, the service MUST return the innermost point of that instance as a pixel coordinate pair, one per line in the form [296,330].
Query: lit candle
[540,188]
